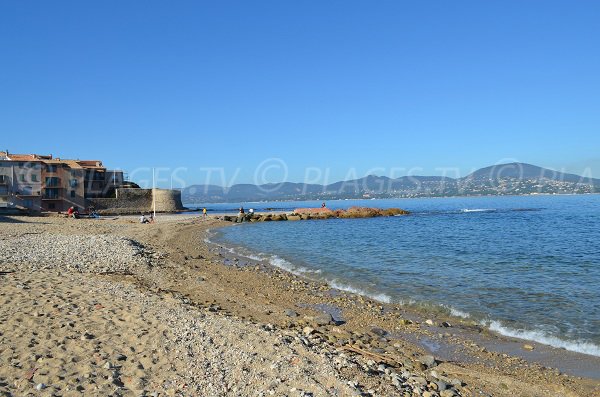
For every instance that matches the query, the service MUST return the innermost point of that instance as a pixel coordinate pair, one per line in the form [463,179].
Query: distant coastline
[513,179]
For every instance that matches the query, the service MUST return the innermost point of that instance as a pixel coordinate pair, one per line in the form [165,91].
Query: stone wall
[134,201]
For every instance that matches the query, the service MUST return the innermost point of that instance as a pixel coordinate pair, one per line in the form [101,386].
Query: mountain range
[503,179]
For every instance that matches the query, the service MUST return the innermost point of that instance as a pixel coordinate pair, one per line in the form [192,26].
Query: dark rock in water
[290,313]
[227,218]
[378,331]
[324,319]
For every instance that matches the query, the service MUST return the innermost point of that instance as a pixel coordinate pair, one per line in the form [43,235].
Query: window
[34,178]
[73,183]
[72,193]
[22,178]
[50,168]
[52,181]
[51,194]
[28,203]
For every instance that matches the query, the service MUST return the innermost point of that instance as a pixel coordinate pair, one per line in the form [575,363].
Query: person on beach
[143,219]
[204,213]
[241,210]
[323,205]
[73,212]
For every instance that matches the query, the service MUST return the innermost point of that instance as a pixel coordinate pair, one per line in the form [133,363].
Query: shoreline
[364,348]
[574,362]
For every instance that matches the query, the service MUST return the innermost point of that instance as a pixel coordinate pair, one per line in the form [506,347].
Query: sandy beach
[111,307]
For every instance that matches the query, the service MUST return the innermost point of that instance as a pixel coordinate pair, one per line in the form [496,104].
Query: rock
[447,393]
[404,321]
[528,347]
[429,322]
[324,319]
[293,217]
[107,365]
[308,331]
[446,324]
[378,331]
[40,386]
[441,385]
[121,357]
[419,380]
[290,313]
[428,360]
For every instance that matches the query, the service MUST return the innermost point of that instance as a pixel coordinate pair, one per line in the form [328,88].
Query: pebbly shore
[111,307]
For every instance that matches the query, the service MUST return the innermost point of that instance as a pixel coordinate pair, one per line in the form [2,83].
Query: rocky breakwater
[316,213]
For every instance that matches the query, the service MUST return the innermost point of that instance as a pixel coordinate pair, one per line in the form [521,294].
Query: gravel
[81,253]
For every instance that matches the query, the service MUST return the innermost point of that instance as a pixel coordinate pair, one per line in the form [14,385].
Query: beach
[114,307]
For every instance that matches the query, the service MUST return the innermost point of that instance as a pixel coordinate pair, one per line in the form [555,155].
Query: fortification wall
[167,200]
[134,201]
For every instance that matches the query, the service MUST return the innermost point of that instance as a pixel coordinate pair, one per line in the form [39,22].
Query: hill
[502,179]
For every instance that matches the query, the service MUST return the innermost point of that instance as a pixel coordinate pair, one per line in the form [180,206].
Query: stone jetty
[315,213]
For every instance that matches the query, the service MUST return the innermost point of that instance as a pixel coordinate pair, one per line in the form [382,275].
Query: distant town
[503,179]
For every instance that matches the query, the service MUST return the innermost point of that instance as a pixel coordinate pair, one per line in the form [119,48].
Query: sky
[230,92]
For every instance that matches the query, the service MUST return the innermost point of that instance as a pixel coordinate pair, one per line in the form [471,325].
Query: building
[20,182]
[44,183]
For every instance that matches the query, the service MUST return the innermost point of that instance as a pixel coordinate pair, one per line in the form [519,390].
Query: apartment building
[20,182]
[44,183]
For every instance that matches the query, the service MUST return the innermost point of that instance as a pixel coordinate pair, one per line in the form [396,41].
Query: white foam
[281,263]
[343,287]
[457,313]
[541,337]
[477,210]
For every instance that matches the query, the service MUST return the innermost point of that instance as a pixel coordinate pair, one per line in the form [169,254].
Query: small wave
[541,337]
[457,313]
[281,263]
[343,287]
[478,210]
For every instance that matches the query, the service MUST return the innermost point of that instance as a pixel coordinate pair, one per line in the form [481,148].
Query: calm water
[524,266]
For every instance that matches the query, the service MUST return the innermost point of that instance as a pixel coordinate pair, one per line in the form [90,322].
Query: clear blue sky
[343,86]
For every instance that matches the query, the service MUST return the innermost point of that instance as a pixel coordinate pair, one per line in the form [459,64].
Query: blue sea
[526,266]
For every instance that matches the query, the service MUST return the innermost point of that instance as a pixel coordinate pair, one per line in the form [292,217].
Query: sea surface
[526,266]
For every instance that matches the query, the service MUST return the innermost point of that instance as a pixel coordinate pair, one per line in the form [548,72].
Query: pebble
[290,313]
[40,386]
[428,360]
[308,331]
[324,319]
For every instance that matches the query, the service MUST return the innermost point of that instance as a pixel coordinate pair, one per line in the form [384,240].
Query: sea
[523,266]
